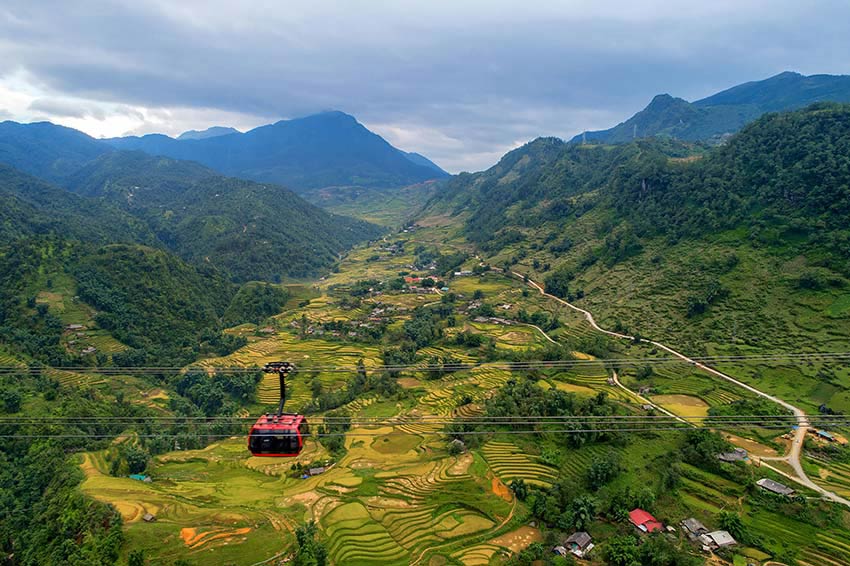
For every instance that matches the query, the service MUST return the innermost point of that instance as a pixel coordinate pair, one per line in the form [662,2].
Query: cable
[682,427]
[425,366]
[419,418]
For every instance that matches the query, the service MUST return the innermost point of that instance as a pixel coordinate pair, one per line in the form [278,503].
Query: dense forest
[245,229]
[785,178]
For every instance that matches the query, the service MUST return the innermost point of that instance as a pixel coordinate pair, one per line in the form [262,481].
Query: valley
[597,338]
[396,493]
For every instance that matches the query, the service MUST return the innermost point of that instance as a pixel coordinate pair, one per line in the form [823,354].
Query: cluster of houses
[581,543]
[708,541]
[79,332]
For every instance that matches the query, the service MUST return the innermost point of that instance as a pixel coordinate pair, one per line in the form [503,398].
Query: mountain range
[721,114]
[60,181]
[330,149]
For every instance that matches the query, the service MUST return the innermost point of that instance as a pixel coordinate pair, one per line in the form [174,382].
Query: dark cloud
[458,81]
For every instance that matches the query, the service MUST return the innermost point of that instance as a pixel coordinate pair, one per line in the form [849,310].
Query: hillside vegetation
[726,250]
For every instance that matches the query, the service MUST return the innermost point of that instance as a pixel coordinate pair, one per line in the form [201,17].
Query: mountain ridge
[321,150]
[714,117]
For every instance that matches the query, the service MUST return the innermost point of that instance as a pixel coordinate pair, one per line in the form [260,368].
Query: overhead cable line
[450,367]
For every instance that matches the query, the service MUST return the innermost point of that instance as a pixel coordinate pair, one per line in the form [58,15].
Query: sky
[460,81]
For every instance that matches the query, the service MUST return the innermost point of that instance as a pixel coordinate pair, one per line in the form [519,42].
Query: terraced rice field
[355,539]
[478,555]
[682,380]
[593,377]
[418,528]
[423,482]
[835,477]
[817,547]
[508,462]
[7,359]
[578,461]
[73,379]
[104,342]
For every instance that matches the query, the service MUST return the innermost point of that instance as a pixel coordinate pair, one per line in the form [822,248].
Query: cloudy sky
[461,81]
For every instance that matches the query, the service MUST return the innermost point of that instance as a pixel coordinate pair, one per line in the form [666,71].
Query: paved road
[793,456]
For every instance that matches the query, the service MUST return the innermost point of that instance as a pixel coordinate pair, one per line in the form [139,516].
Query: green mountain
[248,230]
[46,150]
[324,150]
[33,207]
[718,250]
[726,112]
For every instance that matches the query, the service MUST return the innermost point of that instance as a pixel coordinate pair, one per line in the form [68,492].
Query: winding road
[793,456]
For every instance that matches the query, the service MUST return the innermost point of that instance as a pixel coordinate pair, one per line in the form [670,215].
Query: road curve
[793,456]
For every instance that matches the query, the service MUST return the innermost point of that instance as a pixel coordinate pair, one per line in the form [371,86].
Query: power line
[409,418]
[681,427]
[450,367]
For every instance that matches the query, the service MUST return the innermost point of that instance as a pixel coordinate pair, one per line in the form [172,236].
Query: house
[74,327]
[579,544]
[140,477]
[774,487]
[644,522]
[316,471]
[461,446]
[560,550]
[410,280]
[717,539]
[736,455]
[647,407]
[267,330]
[148,518]
[694,528]
[825,435]
[89,350]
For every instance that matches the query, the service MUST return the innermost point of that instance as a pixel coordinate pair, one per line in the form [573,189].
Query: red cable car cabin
[278,435]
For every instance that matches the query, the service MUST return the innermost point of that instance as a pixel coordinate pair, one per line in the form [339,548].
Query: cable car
[278,434]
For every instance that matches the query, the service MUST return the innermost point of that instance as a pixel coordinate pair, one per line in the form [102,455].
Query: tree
[603,470]
[11,400]
[136,558]
[520,489]
[137,459]
[621,551]
[581,512]
[731,521]
[310,551]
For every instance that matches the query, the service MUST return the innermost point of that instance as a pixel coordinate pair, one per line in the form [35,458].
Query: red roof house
[644,521]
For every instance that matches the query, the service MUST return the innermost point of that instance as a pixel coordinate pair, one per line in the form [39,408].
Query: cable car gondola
[278,434]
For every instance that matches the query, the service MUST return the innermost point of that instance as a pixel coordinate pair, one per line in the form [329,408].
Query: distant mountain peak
[328,149]
[211,132]
[725,112]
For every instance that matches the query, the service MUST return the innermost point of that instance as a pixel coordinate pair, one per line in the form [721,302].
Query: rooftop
[774,486]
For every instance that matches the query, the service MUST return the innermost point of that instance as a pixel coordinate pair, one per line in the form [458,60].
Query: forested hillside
[721,250]
[46,150]
[324,150]
[31,206]
[246,229]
